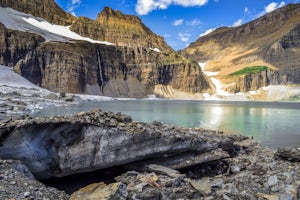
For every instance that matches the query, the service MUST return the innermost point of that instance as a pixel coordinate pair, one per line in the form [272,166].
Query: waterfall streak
[100,70]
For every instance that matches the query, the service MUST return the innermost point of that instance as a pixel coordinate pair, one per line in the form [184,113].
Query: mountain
[46,9]
[265,51]
[119,29]
[114,55]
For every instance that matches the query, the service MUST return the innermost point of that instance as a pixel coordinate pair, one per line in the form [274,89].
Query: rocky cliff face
[83,67]
[46,9]
[252,82]
[271,40]
[15,45]
[132,67]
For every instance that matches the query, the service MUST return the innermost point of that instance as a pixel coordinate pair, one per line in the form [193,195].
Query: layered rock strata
[83,67]
[60,146]
[254,81]
[120,29]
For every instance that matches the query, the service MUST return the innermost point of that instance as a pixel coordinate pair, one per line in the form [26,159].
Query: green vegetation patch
[294,98]
[249,70]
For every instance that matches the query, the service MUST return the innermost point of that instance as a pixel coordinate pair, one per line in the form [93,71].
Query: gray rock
[289,153]
[69,98]
[286,197]
[165,170]
[272,180]
[202,186]
[235,169]
[217,183]
[26,194]
[52,96]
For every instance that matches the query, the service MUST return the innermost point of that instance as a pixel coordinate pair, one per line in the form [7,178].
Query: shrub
[249,70]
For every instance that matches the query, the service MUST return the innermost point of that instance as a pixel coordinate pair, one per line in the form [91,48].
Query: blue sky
[180,22]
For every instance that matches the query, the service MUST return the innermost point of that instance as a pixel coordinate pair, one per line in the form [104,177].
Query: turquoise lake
[273,124]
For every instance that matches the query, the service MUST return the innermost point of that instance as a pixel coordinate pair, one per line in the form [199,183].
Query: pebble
[12,182]
[272,180]
[26,194]
[235,169]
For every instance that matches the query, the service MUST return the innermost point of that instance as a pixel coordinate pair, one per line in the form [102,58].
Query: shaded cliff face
[46,9]
[132,67]
[272,40]
[15,45]
[83,67]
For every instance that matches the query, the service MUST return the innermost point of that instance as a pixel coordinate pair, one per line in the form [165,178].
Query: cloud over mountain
[72,5]
[143,7]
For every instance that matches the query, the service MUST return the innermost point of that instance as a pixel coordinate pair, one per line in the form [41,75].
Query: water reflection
[273,124]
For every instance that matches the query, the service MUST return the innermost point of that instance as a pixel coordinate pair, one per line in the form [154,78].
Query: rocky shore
[160,161]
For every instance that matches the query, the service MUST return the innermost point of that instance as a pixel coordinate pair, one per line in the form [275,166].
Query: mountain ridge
[135,68]
[272,40]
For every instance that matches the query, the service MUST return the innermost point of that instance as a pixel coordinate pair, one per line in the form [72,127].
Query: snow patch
[254,92]
[216,82]
[9,78]
[219,87]
[155,49]
[60,30]
[13,19]
[207,73]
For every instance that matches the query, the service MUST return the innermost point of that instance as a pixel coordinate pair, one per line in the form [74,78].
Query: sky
[180,22]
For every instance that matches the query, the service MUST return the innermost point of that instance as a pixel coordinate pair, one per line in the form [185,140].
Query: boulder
[61,146]
[289,153]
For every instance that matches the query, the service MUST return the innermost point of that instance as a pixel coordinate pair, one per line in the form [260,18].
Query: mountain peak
[108,12]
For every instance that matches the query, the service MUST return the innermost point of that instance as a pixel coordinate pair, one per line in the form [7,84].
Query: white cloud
[271,7]
[237,23]
[184,37]
[143,7]
[208,31]
[281,4]
[246,10]
[177,22]
[73,5]
[167,35]
[195,22]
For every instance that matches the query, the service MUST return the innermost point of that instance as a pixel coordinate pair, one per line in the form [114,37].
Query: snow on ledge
[155,49]
[16,20]
[60,30]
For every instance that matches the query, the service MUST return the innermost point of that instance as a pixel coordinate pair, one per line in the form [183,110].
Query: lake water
[273,124]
